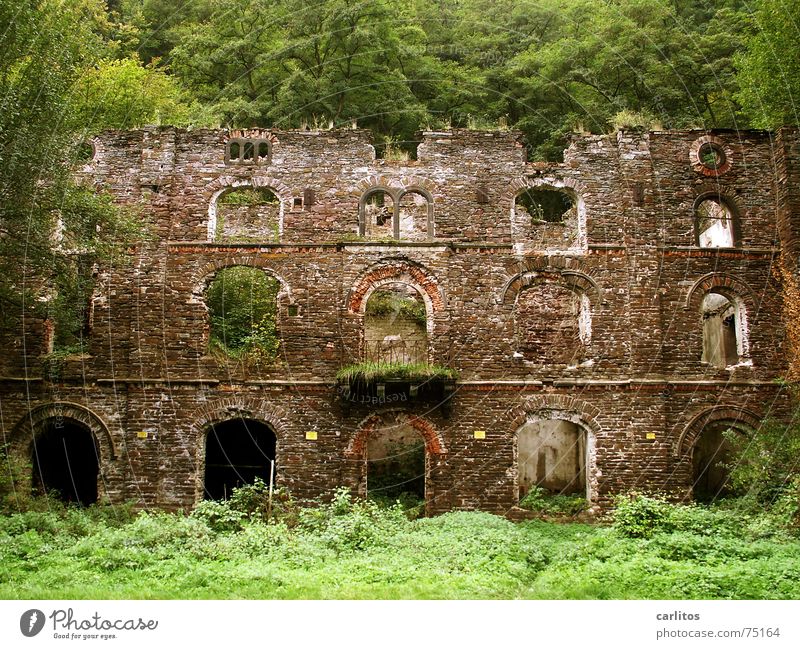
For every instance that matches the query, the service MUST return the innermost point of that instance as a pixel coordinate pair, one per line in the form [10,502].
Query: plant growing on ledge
[376,371]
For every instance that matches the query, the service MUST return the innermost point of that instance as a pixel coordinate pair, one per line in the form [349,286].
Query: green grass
[377,370]
[355,550]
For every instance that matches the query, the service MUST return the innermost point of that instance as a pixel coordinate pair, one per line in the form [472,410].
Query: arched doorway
[552,454]
[65,461]
[395,325]
[237,452]
[396,463]
[711,455]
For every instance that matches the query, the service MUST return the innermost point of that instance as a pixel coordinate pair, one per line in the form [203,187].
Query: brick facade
[490,279]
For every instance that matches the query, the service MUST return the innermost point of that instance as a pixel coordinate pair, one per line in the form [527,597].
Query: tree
[123,93]
[49,226]
[598,59]
[769,69]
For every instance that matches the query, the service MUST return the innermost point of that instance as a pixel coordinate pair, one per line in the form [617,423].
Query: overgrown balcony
[377,383]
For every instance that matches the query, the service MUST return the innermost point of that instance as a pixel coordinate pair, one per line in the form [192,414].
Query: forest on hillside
[70,68]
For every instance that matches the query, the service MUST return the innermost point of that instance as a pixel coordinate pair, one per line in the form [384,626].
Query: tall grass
[352,549]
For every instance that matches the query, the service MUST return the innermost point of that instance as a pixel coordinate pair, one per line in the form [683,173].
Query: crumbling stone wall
[640,392]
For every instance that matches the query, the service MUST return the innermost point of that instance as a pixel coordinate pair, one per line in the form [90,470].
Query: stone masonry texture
[500,290]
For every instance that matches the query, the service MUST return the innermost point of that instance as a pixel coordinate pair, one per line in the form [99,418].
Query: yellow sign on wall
[650,436]
[479,434]
[141,434]
[311,434]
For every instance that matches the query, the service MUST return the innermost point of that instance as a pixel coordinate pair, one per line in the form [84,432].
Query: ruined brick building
[606,317]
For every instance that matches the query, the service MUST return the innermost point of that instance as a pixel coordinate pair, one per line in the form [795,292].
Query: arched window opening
[395,325]
[414,216]
[552,455]
[711,457]
[546,205]
[716,227]
[247,151]
[378,215]
[396,464]
[724,339]
[237,452]
[548,217]
[242,305]
[248,215]
[70,311]
[553,324]
[66,462]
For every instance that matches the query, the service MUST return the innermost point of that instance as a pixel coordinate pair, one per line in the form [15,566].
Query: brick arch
[735,415]
[30,426]
[549,181]
[206,273]
[260,133]
[567,408]
[395,184]
[229,408]
[401,271]
[224,184]
[434,442]
[725,283]
[544,406]
[572,279]
[245,408]
[720,194]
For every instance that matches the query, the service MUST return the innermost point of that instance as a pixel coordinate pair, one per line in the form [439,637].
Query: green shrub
[638,516]
[219,516]
[378,370]
[541,500]
[347,524]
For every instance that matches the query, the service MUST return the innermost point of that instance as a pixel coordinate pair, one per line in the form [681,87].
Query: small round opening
[711,156]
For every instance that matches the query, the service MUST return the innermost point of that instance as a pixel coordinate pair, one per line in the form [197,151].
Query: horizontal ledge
[201,381]
[719,251]
[607,246]
[614,383]
[466,383]
[338,245]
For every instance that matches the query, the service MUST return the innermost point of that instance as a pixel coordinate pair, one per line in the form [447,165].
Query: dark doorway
[237,452]
[65,462]
[396,464]
[710,458]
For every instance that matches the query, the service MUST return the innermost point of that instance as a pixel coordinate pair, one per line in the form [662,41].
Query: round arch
[574,189]
[203,278]
[402,272]
[67,413]
[571,279]
[226,184]
[435,450]
[725,283]
[434,442]
[232,409]
[560,407]
[712,193]
[740,418]
[30,425]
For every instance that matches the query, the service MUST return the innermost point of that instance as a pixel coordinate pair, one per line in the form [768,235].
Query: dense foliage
[242,304]
[548,67]
[349,548]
